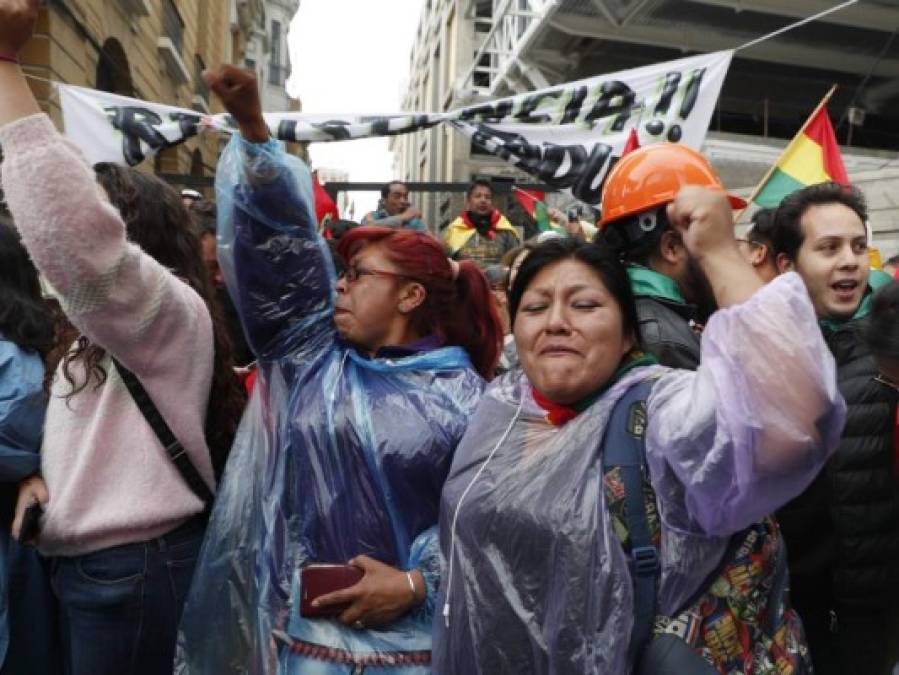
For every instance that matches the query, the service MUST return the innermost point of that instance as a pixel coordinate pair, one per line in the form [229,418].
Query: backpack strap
[623,447]
[172,445]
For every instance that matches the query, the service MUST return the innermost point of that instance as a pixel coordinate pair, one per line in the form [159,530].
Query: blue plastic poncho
[538,581]
[22,409]
[337,455]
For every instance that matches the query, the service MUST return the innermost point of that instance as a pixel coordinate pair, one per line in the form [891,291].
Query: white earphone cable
[452,555]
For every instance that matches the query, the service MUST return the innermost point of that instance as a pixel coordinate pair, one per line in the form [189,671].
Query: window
[173,24]
[449,75]
[276,72]
[276,43]
[113,72]
[200,88]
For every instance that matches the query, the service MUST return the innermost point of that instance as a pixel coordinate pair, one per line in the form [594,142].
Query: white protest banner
[112,128]
[571,135]
[567,136]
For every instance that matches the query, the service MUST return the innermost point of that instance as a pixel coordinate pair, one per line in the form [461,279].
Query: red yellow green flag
[812,157]
[534,205]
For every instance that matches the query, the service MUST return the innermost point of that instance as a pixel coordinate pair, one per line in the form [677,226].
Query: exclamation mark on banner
[656,126]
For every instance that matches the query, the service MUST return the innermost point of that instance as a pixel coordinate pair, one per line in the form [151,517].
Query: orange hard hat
[652,176]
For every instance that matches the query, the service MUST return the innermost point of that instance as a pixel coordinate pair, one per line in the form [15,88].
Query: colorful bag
[740,621]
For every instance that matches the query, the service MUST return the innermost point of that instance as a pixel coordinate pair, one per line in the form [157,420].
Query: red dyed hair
[460,312]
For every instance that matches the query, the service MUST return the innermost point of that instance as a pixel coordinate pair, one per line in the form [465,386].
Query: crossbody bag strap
[623,446]
[173,447]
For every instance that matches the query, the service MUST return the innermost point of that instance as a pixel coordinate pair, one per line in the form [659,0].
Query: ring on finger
[358,625]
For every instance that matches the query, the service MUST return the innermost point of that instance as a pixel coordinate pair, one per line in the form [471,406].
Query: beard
[698,292]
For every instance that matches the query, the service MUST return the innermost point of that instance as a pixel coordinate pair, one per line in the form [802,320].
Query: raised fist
[17,19]
[704,219]
[239,93]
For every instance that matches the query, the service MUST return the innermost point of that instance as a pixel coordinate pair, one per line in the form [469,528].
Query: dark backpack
[739,620]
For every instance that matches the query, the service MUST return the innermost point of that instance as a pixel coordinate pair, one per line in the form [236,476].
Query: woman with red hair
[322,554]
[439,300]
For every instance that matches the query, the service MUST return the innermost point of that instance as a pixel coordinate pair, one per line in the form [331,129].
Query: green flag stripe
[779,185]
[541,217]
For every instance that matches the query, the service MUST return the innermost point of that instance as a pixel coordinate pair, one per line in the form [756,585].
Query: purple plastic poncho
[337,455]
[538,581]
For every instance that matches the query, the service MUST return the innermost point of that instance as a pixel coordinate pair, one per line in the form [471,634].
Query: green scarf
[648,283]
[632,360]
[876,280]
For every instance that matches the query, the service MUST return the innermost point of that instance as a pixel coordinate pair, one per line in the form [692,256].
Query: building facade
[468,51]
[152,50]
[266,52]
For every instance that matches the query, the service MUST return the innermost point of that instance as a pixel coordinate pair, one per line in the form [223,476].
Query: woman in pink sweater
[120,520]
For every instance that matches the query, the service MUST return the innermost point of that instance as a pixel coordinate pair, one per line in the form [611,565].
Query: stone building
[267,53]
[150,49]
[153,50]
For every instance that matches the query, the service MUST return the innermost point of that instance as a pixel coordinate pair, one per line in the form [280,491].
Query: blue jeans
[34,644]
[120,607]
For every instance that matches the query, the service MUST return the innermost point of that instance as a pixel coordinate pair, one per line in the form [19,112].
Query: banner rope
[41,79]
[801,22]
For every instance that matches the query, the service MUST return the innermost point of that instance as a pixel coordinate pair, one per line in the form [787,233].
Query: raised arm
[113,292]
[276,266]
[411,217]
[749,430]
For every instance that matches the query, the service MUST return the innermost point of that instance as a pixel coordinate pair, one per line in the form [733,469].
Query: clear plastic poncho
[538,581]
[337,455]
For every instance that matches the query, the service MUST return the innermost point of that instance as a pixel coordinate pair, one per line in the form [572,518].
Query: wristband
[412,586]
[9,59]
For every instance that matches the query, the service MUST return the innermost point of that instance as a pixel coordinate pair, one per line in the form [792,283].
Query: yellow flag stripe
[804,161]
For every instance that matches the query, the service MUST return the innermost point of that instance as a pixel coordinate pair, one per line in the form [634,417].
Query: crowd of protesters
[233,443]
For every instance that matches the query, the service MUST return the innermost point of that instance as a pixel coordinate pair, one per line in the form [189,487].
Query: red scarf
[556,413]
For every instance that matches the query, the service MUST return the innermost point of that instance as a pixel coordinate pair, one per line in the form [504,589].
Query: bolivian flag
[534,205]
[812,157]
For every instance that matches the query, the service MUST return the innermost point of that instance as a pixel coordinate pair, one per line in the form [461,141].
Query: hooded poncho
[539,582]
[336,456]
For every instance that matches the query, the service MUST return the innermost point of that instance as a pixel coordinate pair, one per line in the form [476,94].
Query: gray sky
[352,56]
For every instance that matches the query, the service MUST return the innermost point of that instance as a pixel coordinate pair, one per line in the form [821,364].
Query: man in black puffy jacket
[842,533]
[673,297]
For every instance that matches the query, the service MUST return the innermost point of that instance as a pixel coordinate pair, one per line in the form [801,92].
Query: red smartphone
[318,579]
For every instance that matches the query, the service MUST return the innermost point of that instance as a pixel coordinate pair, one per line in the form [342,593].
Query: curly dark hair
[787,233]
[157,221]
[25,319]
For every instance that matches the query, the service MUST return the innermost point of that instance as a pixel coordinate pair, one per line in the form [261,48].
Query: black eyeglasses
[353,272]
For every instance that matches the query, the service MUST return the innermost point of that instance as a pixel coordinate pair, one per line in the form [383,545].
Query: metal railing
[514,24]
[173,24]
